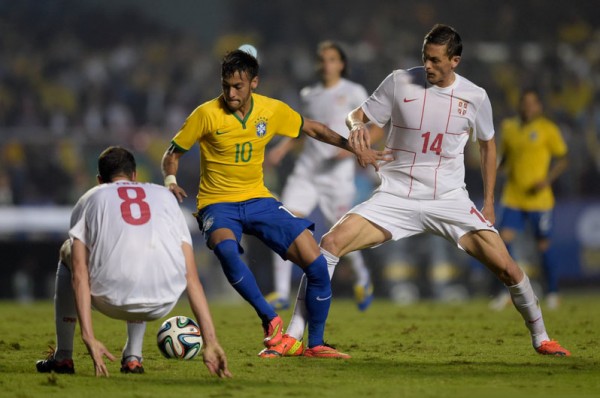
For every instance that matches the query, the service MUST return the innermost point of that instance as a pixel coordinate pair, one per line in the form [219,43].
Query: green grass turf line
[424,350]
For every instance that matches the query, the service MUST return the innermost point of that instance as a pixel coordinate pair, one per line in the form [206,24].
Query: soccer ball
[179,337]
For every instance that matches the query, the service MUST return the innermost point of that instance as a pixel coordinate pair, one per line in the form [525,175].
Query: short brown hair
[443,34]
[115,161]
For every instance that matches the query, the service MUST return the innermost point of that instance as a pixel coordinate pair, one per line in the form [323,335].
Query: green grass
[425,350]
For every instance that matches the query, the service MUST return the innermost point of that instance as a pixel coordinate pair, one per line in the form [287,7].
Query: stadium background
[79,75]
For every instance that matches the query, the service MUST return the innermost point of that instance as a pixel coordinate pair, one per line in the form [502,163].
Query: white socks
[282,276]
[65,313]
[135,339]
[359,267]
[298,322]
[65,318]
[527,304]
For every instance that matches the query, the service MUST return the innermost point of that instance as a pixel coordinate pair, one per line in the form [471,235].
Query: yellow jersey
[232,150]
[527,150]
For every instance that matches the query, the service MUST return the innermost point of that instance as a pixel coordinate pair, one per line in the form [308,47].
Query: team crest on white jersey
[261,127]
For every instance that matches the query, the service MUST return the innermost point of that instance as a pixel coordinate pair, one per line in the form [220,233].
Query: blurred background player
[534,155]
[323,175]
[233,131]
[130,256]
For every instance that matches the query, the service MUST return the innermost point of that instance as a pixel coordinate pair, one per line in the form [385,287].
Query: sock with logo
[241,278]
[299,317]
[318,299]
[527,304]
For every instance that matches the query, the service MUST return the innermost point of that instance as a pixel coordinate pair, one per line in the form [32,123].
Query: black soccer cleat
[52,365]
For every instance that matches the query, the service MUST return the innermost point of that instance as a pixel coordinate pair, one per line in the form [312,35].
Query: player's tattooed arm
[169,167]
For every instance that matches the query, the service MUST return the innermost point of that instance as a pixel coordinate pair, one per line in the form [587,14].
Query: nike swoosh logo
[535,320]
[410,100]
[323,299]
[221,132]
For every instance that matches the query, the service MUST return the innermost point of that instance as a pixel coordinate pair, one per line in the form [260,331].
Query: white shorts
[451,216]
[133,312]
[334,197]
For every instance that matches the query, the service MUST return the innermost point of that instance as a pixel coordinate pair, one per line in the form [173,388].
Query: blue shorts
[265,218]
[540,221]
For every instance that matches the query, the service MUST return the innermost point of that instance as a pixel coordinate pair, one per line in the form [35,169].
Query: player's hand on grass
[98,351]
[215,360]
[178,192]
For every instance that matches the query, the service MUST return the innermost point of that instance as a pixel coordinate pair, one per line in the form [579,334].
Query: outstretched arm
[214,356]
[487,150]
[169,166]
[321,132]
[83,300]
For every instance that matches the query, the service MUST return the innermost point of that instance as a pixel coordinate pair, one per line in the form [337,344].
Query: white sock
[65,313]
[299,317]
[360,269]
[282,276]
[135,338]
[528,305]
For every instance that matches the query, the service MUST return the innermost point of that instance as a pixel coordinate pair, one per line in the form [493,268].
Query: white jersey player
[140,222]
[130,257]
[430,112]
[323,175]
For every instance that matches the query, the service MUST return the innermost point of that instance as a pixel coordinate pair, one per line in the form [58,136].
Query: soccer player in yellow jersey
[533,156]
[233,131]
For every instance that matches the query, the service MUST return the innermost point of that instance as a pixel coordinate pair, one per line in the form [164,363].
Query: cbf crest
[261,126]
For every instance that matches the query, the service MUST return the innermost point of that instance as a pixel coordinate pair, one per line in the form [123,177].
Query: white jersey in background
[330,106]
[429,127]
[319,179]
[134,232]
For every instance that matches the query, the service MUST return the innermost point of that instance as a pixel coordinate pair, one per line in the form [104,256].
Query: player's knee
[510,274]
[330,243]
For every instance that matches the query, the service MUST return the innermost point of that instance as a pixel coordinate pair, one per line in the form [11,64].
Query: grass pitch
[425,350]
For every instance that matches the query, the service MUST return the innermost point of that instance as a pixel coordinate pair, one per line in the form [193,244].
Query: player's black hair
[337,47]
[443,34]
[239,61]
[115,161]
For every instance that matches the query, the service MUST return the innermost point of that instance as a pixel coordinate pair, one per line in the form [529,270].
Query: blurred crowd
[76,76]
[81,76]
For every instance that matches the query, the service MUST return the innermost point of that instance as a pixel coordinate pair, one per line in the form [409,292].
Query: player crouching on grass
[130,256]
